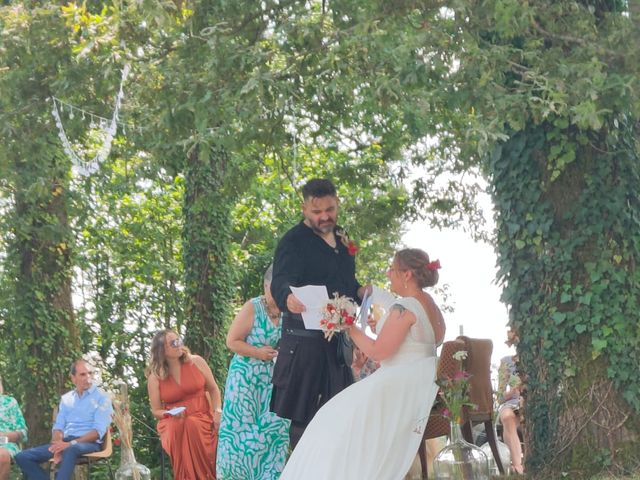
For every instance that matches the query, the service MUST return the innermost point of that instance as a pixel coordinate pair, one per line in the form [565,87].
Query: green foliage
[231,106]
[209,276]
[372,207]
[568,259]
[38,326]
[546,102]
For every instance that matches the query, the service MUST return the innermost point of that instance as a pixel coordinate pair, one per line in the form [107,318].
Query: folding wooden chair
[89,459]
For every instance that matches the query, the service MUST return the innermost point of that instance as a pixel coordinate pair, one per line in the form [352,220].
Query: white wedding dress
[372,429]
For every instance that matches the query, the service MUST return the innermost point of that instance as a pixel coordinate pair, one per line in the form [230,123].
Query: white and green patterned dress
[252,442]
[11,420]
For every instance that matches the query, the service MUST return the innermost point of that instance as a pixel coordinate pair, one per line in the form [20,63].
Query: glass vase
[129,468]
[503,451]
[460,460]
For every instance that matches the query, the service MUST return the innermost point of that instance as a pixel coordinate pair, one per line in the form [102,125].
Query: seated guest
[509,389]
[13,431]
[83,417]
[253,441]
[178,382]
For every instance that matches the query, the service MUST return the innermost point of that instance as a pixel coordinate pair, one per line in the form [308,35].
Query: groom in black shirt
[314,252]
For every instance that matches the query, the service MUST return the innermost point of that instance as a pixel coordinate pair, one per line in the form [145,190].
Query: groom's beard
[322,228]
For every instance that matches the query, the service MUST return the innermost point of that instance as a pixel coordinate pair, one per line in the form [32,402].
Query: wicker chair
[438,424]
[478,365]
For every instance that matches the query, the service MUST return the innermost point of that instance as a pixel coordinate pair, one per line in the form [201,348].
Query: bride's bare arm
[396,328]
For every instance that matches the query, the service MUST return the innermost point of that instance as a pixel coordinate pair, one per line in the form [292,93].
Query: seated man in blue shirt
[83,418]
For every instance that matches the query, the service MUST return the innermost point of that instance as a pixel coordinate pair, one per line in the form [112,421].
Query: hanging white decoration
[109,127]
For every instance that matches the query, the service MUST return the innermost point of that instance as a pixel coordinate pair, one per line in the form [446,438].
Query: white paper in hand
[176,410]
[314,298]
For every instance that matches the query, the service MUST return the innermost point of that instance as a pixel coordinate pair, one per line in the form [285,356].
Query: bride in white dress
[372,429]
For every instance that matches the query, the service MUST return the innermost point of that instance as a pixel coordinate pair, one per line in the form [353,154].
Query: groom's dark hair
[318,188]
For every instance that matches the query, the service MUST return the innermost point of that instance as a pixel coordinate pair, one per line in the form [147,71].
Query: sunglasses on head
[176,342]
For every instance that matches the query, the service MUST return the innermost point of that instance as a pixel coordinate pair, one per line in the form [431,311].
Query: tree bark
[44,337]
[569,260]
[206,249]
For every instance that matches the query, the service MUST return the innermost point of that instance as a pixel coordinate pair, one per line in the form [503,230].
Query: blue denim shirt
[78,415]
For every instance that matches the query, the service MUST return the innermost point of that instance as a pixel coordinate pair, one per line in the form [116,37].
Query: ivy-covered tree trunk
[207,240]
[569,249]
[39,332]
[43,337]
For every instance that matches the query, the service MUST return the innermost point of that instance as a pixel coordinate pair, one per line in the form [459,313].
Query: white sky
[468,268]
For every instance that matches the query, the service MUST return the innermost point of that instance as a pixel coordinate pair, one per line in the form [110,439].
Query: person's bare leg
[5,464]
[510,423]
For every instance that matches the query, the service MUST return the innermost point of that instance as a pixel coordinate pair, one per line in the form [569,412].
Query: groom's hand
[294,305]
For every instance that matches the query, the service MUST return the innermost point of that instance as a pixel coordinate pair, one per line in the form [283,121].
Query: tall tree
[234,79]
[40,317]
[565,185]
[543,98]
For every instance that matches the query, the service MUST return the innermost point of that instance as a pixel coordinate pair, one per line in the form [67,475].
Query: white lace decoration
[86,167]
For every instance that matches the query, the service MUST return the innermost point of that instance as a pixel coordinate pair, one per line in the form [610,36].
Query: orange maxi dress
[190,441]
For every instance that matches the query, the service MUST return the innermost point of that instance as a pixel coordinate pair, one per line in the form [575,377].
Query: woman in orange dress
[188,421]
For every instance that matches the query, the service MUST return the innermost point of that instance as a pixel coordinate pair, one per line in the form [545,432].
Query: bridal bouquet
[337,315]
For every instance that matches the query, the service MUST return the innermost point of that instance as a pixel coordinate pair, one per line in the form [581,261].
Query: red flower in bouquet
[337,315]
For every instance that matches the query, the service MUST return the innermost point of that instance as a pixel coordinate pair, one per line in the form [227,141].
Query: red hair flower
[435,265]
[352,248]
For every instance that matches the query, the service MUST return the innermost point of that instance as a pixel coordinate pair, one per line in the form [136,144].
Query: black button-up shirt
[304,258]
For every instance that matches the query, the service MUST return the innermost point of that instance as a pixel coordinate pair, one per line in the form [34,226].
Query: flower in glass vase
[454,391]
[459,460]
[338,314]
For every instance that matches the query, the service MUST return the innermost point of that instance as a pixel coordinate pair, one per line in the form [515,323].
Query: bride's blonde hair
[158,364]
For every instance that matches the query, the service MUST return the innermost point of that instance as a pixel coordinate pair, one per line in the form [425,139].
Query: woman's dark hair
[318,188]
[417,261]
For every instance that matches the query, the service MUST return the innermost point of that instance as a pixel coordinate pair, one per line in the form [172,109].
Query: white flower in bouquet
[337,315]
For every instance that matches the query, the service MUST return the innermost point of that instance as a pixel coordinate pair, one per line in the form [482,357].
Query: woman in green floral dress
[13,427]
[253,441]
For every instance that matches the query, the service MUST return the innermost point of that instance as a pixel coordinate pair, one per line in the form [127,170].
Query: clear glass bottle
[129,468]
[460,460]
